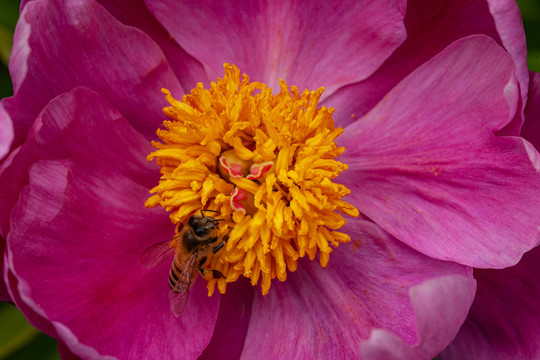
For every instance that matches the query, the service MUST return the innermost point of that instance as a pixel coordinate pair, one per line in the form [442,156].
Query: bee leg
[221,244]
[212,240]
[201,263]
[215,273]
[218,247]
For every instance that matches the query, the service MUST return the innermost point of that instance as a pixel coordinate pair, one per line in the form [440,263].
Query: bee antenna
[202,213]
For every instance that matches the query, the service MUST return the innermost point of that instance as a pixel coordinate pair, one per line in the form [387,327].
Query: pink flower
[431,97]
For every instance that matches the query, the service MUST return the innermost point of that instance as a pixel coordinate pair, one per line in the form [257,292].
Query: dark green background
[18,339]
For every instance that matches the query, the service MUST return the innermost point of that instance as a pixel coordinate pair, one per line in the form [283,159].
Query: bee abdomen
[174,273]
[176,282]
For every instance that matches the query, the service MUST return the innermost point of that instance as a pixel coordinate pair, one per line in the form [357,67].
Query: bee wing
[179,293]
[156,254]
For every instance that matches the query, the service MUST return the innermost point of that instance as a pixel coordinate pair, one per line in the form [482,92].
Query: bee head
[202,226]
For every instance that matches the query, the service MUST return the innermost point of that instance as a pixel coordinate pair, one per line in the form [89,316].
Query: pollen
[265,163]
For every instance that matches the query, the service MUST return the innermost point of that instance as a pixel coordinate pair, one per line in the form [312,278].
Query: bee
[194,242]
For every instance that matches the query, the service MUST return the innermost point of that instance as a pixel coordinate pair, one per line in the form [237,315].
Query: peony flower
[431,100]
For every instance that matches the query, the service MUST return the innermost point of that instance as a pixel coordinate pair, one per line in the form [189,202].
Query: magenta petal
[51,138]
[377,285]
[435,303]
[504,321]
[4,294]
[6,138]
[135,13]
[31,315]
[510,28]
[308,44]
[23,4]
[508,22]
[6,131]
[232,322]
[425,165]
[80,223]
[91,286]
[65,353]
[86,46]
[531,126]
[431,26]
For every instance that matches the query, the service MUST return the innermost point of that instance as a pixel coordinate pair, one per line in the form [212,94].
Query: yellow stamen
[275,153]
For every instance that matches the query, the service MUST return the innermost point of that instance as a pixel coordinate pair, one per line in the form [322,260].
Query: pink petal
[510,29]
[4,294]
[509,25]
[135,13]
[59,46]
[6,131]
[12,179]
[435,302]
[81,224]
[232,322]
[32,316]
[65,353]
[23,4]
[425,165]
[431,26]
[51,138]
[376,285]
[504,321]
[531,126]
[309,44]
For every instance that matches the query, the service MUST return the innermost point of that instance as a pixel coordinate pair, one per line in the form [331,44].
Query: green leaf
[15,331]
[6,42]
[21,341]
[530,11]
[42,347]
[9,12]
[533,60]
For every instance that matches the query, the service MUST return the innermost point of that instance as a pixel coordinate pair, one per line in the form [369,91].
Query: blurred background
[18,339]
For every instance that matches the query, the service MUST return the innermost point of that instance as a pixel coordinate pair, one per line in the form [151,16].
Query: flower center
[264,163]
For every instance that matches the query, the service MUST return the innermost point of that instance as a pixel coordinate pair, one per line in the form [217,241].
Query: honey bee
[194,242]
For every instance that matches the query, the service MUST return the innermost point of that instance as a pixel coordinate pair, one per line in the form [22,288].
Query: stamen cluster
[266,163]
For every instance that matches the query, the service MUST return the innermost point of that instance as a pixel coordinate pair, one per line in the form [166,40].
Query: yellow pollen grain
[295,208]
